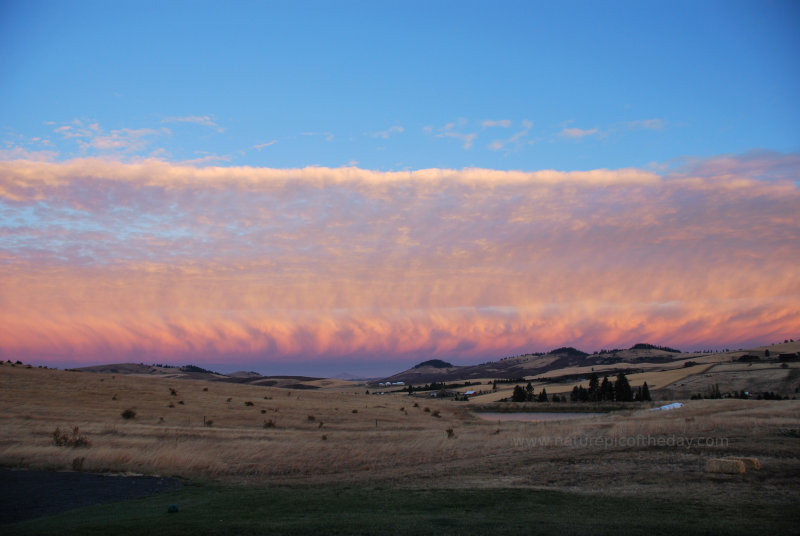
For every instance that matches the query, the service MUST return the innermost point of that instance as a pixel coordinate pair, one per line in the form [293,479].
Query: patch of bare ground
[346,436]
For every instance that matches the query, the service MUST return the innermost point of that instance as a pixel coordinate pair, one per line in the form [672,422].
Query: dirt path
[32,494]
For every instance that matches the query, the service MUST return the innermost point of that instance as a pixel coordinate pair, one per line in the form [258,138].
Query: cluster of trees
[438,386]
[715,393]
[527,394]
[606,391]
[645,346]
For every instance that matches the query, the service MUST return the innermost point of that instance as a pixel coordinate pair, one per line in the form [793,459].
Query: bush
[427,410]
[248,403]
[128,414]
[64,439]
[77,463]
[435,413]
[355,411]
[311,417]
[450,433]
[173,392]
[269,424]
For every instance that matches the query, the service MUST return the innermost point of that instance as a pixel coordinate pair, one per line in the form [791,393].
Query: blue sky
[401,85]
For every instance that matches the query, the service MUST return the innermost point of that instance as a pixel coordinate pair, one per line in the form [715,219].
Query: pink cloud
[292,264]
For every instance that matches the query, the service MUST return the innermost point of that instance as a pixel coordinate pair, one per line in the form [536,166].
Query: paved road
[31,494]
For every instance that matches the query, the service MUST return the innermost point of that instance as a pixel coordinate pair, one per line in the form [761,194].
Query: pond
[533,416]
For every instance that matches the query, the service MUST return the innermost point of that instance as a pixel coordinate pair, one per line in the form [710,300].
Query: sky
[327,187]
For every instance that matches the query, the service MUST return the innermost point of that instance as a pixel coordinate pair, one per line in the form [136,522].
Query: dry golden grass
[655,379]
[382,438]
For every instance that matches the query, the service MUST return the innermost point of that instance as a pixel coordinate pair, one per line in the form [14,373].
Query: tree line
[605,391]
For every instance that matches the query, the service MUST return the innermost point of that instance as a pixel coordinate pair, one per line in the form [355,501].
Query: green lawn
[213,509]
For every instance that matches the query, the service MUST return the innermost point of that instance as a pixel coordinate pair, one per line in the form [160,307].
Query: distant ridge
[535,364]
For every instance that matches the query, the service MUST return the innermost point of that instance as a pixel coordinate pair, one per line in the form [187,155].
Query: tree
[594,387]
[606,390]
[529,391]
[622,389]
[543,395]
[646,393]
[519,394]
[766,352]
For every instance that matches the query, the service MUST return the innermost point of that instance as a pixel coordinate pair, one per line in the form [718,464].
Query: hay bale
[725,466]
[750,464]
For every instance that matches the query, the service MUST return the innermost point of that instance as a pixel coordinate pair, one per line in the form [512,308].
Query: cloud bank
[110,261]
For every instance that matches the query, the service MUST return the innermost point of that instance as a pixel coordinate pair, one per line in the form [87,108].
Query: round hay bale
[725,466]
[751,464]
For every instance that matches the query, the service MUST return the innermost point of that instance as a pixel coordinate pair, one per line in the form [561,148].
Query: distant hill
[566,358]
[198,373]
[435,363]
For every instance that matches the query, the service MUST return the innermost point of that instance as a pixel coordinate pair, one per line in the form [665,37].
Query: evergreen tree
[575,395]
[543,395]
[529,391]
[646,393]
[594,387]
[606,390]
[519,394]
[622,389]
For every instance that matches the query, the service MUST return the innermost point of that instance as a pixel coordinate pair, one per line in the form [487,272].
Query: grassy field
[340,444]
[213,509]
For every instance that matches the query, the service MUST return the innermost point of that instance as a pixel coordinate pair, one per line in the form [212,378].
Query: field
[345,447]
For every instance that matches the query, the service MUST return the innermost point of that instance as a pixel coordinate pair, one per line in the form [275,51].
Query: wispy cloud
[384,134]
[91,136]
[515,141]
[578,133]
[455,130]
[646,124]
[202,120]
[264,145]
[256,263]
[327,135]
[504,123]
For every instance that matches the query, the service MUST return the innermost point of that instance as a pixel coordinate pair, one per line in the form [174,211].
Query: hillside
[674,374]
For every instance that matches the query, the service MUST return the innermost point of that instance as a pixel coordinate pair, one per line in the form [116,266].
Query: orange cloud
[105,261]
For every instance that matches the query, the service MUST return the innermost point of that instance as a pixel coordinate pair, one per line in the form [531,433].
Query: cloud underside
[156,260]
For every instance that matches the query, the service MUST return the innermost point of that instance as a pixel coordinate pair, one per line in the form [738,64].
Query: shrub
[427,410]
[77,463]
[248,403]
[450,433]
[324,437]
[435,413]
[229,400]
[128,414]
[180,402]
[209,422]
[311,417]
[416,405]
[269,424]
[173,392]
[355,411]
[64,439]
[205,388]
[263,411]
